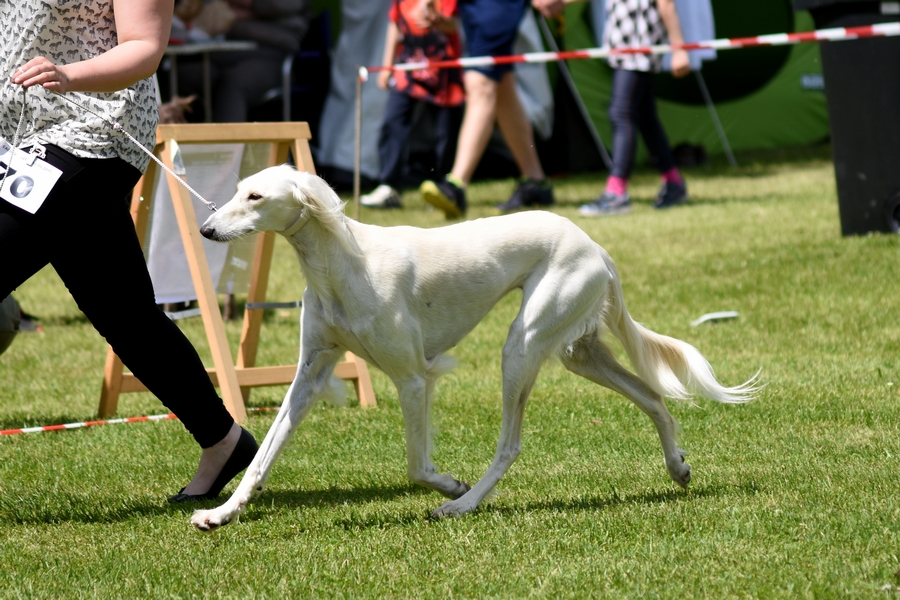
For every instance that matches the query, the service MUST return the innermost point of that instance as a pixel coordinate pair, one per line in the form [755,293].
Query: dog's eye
[254,196]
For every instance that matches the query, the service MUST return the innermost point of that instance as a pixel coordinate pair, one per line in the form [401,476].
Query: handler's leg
[23,251]
[96,253]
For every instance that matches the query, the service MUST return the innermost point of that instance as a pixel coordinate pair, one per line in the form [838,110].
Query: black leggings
[632,109]
[84,229]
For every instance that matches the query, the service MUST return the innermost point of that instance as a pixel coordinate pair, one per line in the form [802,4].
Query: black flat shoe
[240,459]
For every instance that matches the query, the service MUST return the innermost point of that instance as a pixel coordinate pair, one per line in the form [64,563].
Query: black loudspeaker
[862,88]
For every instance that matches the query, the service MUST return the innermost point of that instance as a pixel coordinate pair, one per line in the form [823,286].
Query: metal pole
[715,117]
[362,74]
[564,69]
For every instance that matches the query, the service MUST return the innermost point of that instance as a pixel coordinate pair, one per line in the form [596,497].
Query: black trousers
[395,131]
[84,230]
[632,109]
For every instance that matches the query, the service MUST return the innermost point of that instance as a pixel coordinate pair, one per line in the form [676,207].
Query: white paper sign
[213,170]
[29,180]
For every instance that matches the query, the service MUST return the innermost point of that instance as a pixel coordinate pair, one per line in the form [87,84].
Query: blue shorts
[490,27]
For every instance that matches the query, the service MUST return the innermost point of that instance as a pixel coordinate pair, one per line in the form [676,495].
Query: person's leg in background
[242,80]
[517,129]
[628,89]
[447,122]
[673,190]
[392,141]
[477,125]
[480,114]
[490,28]
[534,190]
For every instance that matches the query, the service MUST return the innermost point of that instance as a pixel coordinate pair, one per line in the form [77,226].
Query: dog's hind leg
[591,359]
[415,402]
[311,382]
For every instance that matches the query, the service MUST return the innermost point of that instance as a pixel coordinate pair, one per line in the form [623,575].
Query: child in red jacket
[418,30]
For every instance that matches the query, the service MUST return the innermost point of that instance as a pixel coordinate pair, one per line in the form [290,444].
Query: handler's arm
[681,64]
[143,33]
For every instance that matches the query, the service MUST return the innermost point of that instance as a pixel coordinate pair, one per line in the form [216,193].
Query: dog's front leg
[415,402]
[311,380]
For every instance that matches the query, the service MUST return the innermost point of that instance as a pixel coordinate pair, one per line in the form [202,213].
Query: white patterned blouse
[67,31]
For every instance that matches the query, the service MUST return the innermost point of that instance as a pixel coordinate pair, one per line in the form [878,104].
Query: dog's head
[278,199]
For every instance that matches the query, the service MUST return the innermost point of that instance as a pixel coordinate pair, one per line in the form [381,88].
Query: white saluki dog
[401,297]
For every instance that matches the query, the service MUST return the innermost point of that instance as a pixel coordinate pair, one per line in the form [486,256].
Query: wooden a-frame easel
[234,379]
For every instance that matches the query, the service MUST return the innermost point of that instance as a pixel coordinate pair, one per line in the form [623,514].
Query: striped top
[632,24]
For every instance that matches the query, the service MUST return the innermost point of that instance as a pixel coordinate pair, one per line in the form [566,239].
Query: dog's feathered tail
[671,367]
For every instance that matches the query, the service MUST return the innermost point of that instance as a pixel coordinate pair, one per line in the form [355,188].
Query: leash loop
[118,127]
[15,143]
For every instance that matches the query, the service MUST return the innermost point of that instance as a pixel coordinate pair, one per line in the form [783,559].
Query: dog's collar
[296,226]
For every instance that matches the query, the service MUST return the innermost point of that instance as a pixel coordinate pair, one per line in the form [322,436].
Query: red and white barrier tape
[108,422]
[775,39]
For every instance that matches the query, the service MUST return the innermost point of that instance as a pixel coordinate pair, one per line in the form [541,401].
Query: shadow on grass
[335,496]
[68,508]
[601,502]
[694,200]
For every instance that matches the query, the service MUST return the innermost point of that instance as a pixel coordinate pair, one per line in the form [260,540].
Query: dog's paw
[458,490]
[454,508]
[207,520]
[446,485]
[679,471]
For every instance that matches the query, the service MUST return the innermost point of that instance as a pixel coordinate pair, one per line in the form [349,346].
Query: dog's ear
[322,203]
[313,193]
[298,190]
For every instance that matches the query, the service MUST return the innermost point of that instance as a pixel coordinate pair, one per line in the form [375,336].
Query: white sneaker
[607,204]
[384,196]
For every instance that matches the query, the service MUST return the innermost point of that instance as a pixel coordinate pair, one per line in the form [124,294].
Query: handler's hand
[549,8]
[681,63]
[40,71]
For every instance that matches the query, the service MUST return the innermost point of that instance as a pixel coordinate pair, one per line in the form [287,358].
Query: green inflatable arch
[765,97]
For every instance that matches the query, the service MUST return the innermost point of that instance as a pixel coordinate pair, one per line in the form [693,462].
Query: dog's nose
[207,231]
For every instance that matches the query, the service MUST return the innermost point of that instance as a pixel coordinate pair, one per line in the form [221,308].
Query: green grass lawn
[794,495]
